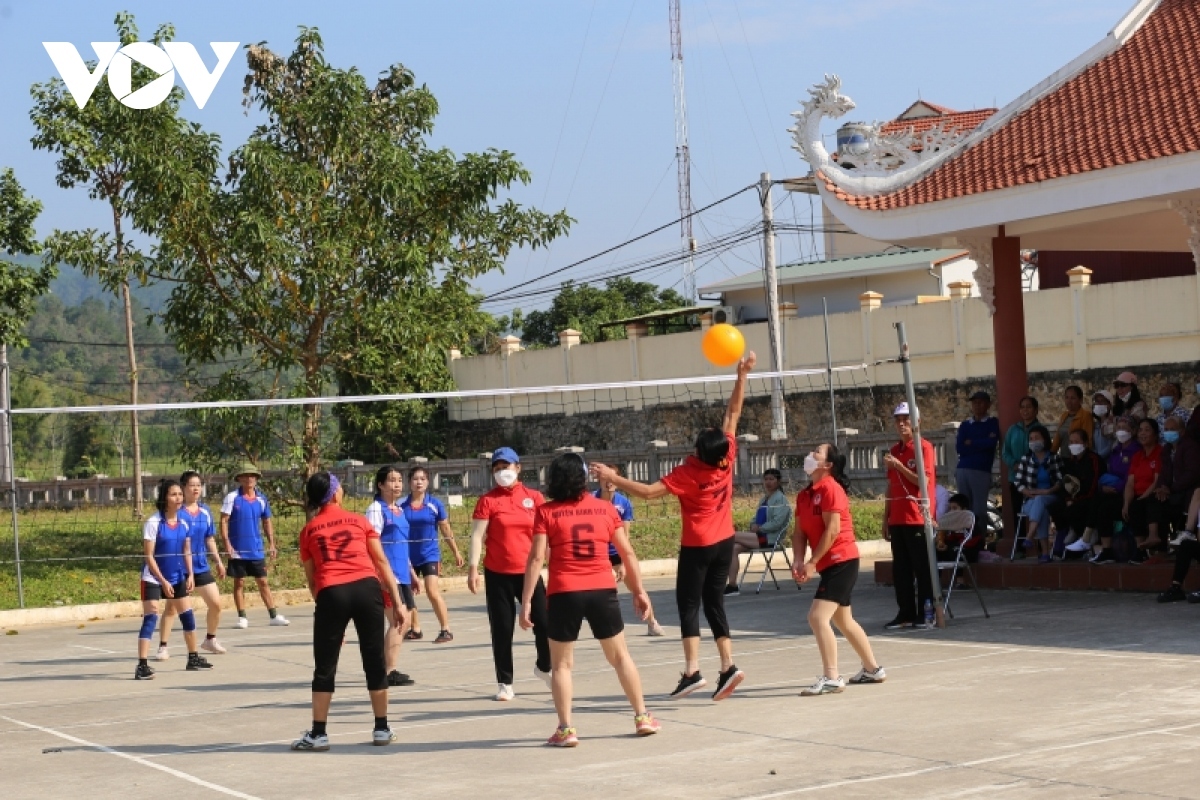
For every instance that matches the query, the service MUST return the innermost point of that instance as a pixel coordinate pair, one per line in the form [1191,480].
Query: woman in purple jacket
[1110,499]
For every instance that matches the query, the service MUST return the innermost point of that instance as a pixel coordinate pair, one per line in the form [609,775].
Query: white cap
[901,410]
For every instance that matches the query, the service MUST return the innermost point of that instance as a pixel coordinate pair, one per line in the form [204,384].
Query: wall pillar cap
[1079,276]
[571,448]
[455,354]
[870,300]
[510,344]
[657,443]
[748,437]
[568,338]
[636,330]
[847,431]
[960,289]
[422,459]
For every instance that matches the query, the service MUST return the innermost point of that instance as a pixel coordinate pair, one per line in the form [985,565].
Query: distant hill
[73,287]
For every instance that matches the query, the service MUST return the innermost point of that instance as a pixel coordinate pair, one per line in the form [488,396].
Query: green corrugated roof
[836,268]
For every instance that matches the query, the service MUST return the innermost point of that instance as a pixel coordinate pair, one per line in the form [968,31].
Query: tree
[336,251]
[101,146]
[586,308]
[21,284]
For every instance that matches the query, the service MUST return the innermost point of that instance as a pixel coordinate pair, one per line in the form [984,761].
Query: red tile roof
[964,121]
[1140,102]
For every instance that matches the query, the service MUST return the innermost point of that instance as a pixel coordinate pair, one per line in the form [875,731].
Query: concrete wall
[1069,331]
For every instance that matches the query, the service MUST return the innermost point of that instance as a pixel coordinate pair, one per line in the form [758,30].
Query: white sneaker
[163,653]
[382,738]
[824,686]
[504,692]
[654,629]
[1078,546]
[864,675]
[242,622]
[1181,537]
[279,621]
[212,646]
[310,742]
[545,676]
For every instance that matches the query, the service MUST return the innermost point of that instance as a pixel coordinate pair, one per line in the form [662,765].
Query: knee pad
[149,623]
[188,619]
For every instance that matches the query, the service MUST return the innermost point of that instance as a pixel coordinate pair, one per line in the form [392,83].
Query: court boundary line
[135,759]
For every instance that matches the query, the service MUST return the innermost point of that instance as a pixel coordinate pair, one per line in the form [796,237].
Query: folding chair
[775,545]
[960,522]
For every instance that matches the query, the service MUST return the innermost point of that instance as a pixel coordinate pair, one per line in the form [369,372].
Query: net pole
[10,468]
[778,412]
[829,370]
[922,484]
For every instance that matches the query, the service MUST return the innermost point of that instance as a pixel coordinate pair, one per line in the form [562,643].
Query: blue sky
[581,90]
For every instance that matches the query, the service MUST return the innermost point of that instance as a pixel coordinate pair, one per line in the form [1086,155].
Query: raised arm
[646,491]
[733,411]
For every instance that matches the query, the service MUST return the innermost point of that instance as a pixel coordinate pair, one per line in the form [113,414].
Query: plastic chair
[960,522]
[1021,533]
[775,546]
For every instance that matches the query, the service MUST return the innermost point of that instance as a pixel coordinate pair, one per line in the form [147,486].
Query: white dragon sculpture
[890,161]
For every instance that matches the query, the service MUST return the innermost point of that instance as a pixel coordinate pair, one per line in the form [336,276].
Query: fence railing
[472,476]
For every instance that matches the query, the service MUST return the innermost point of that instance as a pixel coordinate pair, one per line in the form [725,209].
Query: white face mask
[1124,436]
[1076,449]
[1100,410]
[505,477]
[811,465]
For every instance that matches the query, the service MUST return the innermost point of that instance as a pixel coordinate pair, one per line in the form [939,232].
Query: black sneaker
[730,679]
[732,590]
[1137,559]
[197,662]
[897,624]
[1105,556]
[143,673]
[688,684]
[396,678]
[1172,595]
[1193,597]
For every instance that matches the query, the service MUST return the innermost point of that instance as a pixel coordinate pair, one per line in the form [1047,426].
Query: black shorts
[433,568]
[1143,513]
[567,611]
[152,591]
[204,578]
[406,594]
[246,568]
[837,582]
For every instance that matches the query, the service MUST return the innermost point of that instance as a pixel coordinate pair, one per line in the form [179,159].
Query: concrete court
[1057,695]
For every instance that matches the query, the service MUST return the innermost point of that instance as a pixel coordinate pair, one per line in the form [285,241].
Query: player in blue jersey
[625,509]
[427,518]
[205,561]
[388,519]
[167,575]
[241,514]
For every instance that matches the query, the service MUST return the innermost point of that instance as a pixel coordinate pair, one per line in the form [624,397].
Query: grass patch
[93,555]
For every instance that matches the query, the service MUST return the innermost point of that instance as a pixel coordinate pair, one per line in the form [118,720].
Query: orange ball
[723,345]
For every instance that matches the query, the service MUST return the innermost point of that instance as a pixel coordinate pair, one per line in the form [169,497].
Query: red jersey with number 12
[578,533]
[705,498]
[335,540]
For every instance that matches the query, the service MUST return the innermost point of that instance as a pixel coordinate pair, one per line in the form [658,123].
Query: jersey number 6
[582,548]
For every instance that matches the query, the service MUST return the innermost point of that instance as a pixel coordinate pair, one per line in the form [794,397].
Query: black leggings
[503,592]
[1187,552]
[700,580]
[361,601]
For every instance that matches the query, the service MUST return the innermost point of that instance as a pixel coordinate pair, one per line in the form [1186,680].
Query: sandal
[443,637]
[413,636]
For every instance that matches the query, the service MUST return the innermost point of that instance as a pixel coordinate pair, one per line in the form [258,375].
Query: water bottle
[929,613]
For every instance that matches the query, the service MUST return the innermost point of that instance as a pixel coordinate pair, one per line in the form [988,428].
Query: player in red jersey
[504,518]
[704,485]
[826,545]
[344,565]
[577,527]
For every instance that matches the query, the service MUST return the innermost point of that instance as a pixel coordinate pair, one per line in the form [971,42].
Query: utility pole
[778,414]
[683,160]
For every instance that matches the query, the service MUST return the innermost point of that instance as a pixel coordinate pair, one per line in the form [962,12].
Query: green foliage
[21,284]
[586,308]
[337,249]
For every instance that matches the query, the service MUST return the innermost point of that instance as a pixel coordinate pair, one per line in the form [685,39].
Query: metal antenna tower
[682,158]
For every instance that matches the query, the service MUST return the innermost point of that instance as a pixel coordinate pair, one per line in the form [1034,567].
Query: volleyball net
[77,527]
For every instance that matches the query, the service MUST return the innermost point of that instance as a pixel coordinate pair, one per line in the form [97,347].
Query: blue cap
[506,454]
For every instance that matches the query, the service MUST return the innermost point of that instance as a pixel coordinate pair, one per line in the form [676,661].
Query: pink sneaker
[646,724]
[563,737]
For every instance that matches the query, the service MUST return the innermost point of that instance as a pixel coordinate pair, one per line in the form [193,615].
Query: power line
[98,344]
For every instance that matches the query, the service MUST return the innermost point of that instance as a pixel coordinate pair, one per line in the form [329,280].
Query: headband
[334,485]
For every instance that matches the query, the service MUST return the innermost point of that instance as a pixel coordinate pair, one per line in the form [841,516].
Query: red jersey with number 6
[578,533]
[335,540]
[705,498]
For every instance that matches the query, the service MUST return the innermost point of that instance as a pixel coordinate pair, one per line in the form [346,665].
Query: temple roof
[1139,102]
